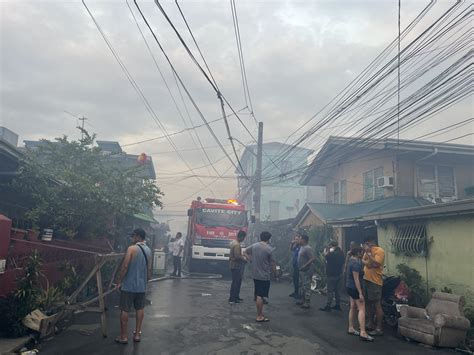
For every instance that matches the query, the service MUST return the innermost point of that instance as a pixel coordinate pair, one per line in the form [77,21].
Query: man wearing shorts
[373,260]
[132,281]
[263,263]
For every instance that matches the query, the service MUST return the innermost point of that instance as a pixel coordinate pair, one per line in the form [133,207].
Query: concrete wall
[353,172]
[450,257]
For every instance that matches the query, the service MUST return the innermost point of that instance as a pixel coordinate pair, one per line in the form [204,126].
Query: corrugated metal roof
[333,213]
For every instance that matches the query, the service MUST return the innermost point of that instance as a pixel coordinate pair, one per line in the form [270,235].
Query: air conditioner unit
[385,181]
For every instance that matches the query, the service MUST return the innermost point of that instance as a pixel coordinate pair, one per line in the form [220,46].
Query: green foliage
[49,297]
[77,190]
[29,286]
[18,304]
[12,310]
[446,289]
[469,314]
[319,237]
[418,294]
[71,280]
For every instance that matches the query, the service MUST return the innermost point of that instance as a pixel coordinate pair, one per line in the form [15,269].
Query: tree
[76,189]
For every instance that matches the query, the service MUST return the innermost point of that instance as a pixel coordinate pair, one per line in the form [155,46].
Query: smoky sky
[298,55]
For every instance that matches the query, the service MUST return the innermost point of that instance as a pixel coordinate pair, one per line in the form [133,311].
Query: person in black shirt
[335,260]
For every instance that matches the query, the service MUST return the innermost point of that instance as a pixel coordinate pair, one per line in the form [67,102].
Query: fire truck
[212,225]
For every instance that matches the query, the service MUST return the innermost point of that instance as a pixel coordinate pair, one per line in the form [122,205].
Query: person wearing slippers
[373,260]
[263,263]
[354,272]
[134,274]
[237,265]
[306,258]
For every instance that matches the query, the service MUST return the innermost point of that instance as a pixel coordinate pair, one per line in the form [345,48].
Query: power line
[243,72]
[211,81]
[137,88]
[182,83]
[169,90]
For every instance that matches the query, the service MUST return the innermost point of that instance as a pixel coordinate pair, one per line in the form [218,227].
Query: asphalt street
[192,316]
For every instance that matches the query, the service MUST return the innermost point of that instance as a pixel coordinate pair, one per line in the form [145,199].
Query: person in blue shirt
[132,282]
[355,273]
[295,249]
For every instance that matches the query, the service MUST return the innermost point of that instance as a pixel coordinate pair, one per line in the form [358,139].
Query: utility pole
[258,173]
[83,119]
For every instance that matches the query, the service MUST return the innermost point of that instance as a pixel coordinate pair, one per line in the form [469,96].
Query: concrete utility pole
[258,173]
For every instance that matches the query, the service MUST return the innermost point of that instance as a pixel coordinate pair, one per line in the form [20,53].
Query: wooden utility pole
[83,119]
[258,173]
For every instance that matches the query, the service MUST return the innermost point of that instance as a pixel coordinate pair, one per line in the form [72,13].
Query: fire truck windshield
[219,217]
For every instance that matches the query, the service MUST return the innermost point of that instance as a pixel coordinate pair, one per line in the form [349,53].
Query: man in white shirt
[178,250]
[169,252]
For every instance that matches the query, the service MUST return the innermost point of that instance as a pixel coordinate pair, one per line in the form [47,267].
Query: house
[281,197]
[436,240]
[347,220]
[355,170]
[362,177]
[11,203]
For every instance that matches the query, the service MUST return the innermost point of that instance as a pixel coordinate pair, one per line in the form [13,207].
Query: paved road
[192,317]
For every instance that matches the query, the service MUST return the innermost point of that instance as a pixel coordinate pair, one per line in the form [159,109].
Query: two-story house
[281,197]
[353,170]
[363,176]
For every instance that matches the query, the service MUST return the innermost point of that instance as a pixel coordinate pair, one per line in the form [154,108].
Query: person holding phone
[334,268]
[354,272]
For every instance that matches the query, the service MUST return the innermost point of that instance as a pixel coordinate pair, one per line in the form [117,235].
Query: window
[446,181]
[274,210]
[368,186]
[344,191]
[336,193]
[378,191]
[371,190]
[410,239]
[436,181]
[340,192]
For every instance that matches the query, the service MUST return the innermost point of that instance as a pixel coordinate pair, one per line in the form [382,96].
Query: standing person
[348,256]
[169,259]
[237,264]
[295,249]
[132,282]
[334,268]
[354,272]
[373,260]
[262,265]
[306,258]
[178,249]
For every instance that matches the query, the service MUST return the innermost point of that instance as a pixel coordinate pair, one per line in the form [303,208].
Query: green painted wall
[450,260]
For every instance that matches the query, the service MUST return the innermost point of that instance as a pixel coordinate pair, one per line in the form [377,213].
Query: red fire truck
[212,225]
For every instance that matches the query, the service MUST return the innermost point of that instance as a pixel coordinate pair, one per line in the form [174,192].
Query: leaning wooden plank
[103,319]
[74,295]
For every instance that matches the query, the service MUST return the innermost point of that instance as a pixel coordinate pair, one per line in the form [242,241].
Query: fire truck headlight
[197,240]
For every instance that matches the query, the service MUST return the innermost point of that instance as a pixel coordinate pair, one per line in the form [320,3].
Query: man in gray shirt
[306,260]
[262,264]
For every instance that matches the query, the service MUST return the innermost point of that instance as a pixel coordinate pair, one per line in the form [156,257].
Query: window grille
[410,239]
